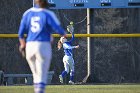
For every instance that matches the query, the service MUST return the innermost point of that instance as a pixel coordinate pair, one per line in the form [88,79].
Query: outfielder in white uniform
[68,58]
[39,23]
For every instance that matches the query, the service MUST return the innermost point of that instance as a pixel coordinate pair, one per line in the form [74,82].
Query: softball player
[68,58]
[38,22]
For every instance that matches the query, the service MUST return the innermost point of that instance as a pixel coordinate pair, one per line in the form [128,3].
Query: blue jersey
[38,24]
[68,46]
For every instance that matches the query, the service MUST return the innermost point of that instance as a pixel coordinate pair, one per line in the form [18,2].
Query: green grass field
[75,89]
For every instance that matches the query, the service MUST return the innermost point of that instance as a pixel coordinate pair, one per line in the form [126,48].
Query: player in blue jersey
[68,58]
[39,23]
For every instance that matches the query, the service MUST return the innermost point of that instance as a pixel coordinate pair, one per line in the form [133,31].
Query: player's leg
[66,70]
[71,64]
[31,59]
[43,59]
[30,56]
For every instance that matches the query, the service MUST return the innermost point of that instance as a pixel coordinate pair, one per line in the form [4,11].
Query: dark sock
[64,73]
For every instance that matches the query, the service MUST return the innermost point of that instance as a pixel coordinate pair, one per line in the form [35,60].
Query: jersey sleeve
[55,24]
[22,27]
[66,46]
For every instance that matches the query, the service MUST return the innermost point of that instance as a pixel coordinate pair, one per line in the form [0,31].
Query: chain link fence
[113,60]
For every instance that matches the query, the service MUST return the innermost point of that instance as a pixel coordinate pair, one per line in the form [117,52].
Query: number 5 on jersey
[35,26]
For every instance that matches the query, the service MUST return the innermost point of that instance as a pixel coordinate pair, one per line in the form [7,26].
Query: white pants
[68,63]
[38,55]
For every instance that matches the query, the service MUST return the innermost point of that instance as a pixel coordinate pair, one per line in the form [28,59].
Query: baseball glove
[70,28]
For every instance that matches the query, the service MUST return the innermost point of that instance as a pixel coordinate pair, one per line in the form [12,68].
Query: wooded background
[113,60]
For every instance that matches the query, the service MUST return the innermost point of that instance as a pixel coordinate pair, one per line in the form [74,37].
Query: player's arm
[22,30]
[72,38]
[70,47]
[55,24]
[59,45]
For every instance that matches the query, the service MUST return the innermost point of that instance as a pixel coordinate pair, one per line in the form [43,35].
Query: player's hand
[59,45]
[22,47]
[77,46]
[22,51]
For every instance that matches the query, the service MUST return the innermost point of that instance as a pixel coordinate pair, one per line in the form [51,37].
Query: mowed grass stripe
[75,89]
